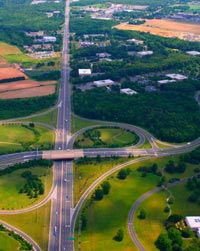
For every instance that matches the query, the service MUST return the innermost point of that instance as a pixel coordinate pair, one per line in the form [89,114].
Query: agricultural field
[7,73]
[166,28]
[26,88]
[106,137]
[15,138]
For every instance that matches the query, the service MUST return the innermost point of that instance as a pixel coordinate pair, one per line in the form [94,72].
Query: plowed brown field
[10,72]
[166,28]
[26,88]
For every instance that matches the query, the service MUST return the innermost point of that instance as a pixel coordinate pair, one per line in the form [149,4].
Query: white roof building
[135,41]
[193,53]
[193,222]
[144,53]
[128,91]
[103,55]
[166,81]
[105,82]
[84,72]
[49,39]
[176,76]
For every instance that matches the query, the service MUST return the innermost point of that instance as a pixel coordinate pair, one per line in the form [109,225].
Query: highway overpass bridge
[62,154]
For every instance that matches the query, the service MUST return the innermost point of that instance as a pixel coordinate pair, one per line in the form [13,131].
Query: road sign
[71,238]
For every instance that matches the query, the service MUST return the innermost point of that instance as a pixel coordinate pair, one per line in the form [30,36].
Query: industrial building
[84,72]
[105,82]
[128,91]
[193,222]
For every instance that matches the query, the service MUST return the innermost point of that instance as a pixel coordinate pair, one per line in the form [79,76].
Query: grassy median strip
[34,223]
[7,243]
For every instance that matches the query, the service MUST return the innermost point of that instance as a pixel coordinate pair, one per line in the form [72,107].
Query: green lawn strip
[49,118]
[85,174]
[34,223]
[146,144]
[107,216]
[79,123]
[7,243]
[15,137]
[152,226]
[10,184]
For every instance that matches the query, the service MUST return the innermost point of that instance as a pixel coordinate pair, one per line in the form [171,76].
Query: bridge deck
[62,154]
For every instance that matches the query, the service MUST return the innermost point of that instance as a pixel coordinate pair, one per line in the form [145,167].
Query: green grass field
[49,118]
[10,184]
[109,137]
[21,138]
[107,216]
[78,123]
[35,224]
[154,206]
[7,243]
[85,174]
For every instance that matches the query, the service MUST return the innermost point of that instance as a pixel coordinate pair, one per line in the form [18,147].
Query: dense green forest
[19,16]
[171,115]
[24,107]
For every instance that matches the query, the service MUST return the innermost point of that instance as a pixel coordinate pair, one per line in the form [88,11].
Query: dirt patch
[10,73]
[166,28]
[23,84]
[29,92]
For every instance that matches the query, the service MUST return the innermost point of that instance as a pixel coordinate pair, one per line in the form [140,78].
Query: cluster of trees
[33,186]
[123,173]
[172,115]
[149,169]
[44,75]
[171,167]
[119,235]
[193,157]
[101,191]
[28,164]
[24,245]
[193,185]
[172,239]
[13,108]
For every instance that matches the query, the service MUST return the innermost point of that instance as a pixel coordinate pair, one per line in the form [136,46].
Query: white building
[144,53]
[84,72]
[49,39]
[105,82]
[193,53]
[176,76]
[193,222]
[166,81]
[128,91]
[135,41]
[103,55]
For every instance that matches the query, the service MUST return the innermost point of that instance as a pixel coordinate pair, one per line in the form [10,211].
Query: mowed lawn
[105,217]
[85,174]
[34,223]
[153,225]
[20,138]
[10,184]
[110,137]
[7,243]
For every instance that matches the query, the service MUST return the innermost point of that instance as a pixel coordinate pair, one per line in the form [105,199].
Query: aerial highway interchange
[63,210]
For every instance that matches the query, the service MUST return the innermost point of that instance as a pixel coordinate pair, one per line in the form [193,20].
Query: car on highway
[55,233]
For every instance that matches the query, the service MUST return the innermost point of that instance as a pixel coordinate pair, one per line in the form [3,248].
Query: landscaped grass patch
[107,216]
[86,173]
[48,118]
[78,123]
[34,223]
[10,185]
[15,137]
[106,137]
[7,243]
